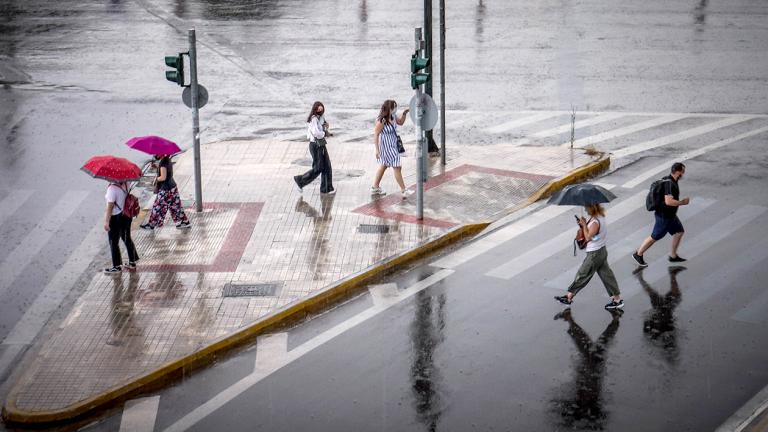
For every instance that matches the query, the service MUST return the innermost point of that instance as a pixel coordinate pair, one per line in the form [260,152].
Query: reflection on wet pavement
[659,324]
[427,334]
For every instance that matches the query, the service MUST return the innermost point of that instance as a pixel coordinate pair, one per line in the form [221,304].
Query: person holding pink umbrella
[167,198]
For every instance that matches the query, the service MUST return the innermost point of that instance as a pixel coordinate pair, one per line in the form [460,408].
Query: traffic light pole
[421,148]
[428,54]
[195,119]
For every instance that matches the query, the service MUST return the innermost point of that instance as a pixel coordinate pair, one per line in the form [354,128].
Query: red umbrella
[153,145]
[112,168]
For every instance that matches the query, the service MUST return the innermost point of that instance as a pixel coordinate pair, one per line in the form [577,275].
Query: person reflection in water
[584,408]
[426,335]
[659,323]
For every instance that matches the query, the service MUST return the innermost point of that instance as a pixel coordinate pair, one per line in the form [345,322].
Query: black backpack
[655,199]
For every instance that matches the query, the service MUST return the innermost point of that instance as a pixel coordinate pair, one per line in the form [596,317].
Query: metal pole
[442,81]
[195,119]
[432,146]
[420,147]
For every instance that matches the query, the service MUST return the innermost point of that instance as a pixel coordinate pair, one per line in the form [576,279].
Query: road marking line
[601,118]
[11,203]
[41,234]
[690,155]
[756,312]
[699,244]
[523,262]
[508,126]
[626,130]
[57,289]
[139,415]
[271,351]
[383,294]
[244,384]
[722,277]
[742,418]
[680,136]
[617,250]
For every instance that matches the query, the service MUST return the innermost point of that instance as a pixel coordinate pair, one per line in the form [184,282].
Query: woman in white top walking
[118,226]
[317,131]
[596,230]
[385,140]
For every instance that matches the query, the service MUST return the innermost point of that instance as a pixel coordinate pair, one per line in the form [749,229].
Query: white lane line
[626,130]
[680,136]
[244,384]
[702,241]
[11,203]
[756,312]
[535,118]
[564,240]
[742,418]
[689,155]
[619,250]
[580,123]
[723,277]
[139,415]
[271,352]
[35,317]
[41,234]
[383,294]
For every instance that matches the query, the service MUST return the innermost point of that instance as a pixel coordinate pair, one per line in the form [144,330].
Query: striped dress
[388,154]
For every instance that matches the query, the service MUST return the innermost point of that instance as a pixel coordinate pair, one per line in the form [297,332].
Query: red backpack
[131,207]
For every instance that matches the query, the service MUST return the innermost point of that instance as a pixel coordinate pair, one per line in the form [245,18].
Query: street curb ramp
[290,314]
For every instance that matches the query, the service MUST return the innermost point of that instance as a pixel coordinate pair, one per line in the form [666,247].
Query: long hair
[595,210]
[315,106]
[385,113]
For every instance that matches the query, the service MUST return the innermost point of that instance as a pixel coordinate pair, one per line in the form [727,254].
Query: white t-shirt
[315,128]
[598,241]
[116,194]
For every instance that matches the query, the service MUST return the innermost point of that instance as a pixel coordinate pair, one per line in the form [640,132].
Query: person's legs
[399,177]
[326,181]
[177,211]
[606,275]
[114,240]
[379,175]
[647,243]
[677,231]
[125,234]
[309,176]
[159,209]
[583,276]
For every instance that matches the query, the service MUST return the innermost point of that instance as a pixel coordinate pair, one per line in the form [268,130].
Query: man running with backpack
[663,200]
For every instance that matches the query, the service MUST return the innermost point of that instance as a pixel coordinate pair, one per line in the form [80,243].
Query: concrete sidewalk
[257,253]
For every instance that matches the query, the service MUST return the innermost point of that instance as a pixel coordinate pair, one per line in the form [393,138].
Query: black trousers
[120,228]
[321,166]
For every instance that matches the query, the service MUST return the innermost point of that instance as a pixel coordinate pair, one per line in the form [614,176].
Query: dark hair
[677,167]
[315,106]
[385,113]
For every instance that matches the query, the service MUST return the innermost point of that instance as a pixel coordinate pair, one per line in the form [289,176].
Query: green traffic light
[176,62]
[419,79]
[418,63]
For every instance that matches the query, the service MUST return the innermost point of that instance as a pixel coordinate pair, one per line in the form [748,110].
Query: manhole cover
[373,229]
[250,290]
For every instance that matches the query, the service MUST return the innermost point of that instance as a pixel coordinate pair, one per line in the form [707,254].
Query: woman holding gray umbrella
[594,231]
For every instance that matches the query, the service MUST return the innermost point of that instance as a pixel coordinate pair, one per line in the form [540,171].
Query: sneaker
[563,299]
[406,193]
[298,188]
[113,270]
[131,265]
[639,259]
[615,304]
[183,225]
[146,226]
[677,259]
[377,191]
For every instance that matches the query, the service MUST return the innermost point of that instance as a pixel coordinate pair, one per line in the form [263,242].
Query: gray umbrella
[582,194]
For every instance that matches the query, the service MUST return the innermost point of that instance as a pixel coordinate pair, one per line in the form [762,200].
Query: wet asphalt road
[474,351]
[80,78]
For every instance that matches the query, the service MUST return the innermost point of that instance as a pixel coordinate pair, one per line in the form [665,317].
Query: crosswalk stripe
[580,123]
[562,241]
[722,277]
[11,203]
[619,250]
[139,415]
[680,136]
[18,259]
[756,312]
[535,118]
[699,244]
[645,175]
[35,317]
[626,130]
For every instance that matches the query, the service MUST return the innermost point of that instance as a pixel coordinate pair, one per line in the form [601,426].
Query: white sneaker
[377,191]
[406,193]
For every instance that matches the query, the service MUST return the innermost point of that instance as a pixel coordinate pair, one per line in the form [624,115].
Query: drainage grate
[373,229]
[250,290]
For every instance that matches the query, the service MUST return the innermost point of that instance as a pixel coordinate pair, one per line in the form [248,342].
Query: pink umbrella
[153,145]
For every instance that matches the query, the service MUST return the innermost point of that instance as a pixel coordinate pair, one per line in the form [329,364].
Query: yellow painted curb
[291,313]
[207,355]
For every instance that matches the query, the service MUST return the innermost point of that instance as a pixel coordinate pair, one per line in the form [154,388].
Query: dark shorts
[666,225]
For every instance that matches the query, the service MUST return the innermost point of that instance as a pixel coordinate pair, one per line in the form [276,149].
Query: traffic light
[176,62]
[417,64]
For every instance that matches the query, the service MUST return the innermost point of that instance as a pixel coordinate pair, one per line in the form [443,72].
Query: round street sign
[429,110]
[202,96]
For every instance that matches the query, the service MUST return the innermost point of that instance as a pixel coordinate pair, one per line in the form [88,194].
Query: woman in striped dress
[385,140]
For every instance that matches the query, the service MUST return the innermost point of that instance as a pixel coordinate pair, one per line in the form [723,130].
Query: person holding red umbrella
[118,172]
